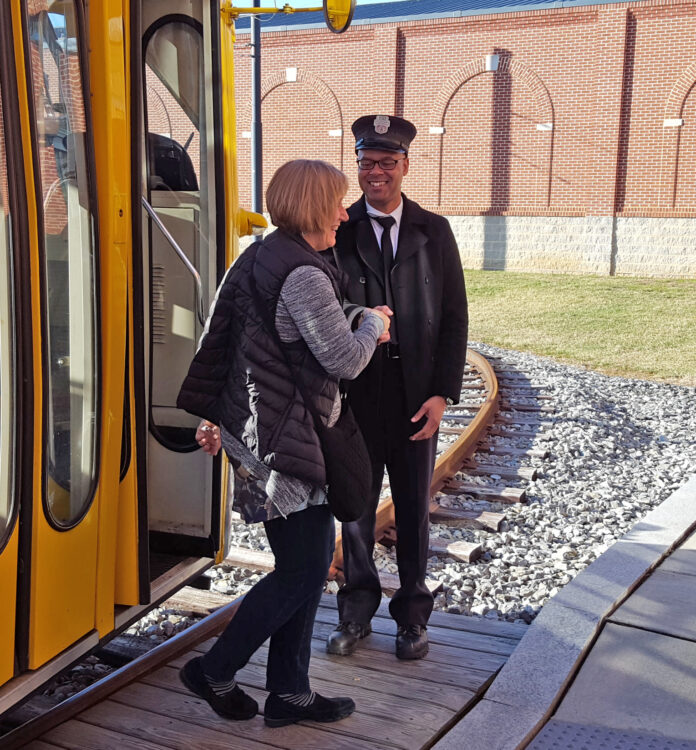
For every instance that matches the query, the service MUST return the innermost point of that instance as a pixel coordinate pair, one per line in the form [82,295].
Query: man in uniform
[401,256]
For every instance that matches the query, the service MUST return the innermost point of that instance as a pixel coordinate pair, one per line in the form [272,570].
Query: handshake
[385,313]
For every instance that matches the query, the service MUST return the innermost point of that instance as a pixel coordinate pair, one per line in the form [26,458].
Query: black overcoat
[430,299]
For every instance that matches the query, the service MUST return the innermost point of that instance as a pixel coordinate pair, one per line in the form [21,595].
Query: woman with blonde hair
[247,382]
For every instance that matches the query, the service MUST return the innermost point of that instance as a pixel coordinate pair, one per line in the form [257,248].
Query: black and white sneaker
[279,712]
[235,704]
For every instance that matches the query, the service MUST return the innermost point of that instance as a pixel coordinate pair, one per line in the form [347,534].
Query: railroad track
[477,473]
[478,464]
[478,461]
[483,439]
[479,379]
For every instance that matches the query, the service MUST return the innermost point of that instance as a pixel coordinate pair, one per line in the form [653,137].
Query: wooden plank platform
[399,704]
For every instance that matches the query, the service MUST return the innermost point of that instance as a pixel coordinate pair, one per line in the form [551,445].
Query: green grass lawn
[638,328]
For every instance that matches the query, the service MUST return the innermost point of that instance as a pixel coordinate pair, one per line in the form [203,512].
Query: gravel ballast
[618,448]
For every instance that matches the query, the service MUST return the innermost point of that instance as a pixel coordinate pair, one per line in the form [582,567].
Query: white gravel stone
[619,447]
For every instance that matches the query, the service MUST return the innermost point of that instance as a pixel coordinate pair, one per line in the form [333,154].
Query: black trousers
[281,606]
[410,467]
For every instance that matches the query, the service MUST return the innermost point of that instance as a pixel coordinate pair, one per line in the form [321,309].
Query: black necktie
[387,222]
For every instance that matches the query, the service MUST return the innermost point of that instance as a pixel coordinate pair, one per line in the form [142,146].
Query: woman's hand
[385,314]
[208,437]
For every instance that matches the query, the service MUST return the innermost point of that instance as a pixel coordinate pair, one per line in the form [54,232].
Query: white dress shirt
[377,227]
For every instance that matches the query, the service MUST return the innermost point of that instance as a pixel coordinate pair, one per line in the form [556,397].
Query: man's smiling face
[382,187]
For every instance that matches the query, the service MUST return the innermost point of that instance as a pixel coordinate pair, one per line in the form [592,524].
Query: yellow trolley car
[119,197]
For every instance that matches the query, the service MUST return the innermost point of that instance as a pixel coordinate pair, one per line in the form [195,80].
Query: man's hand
[433,409]
[386,314]
[208,437]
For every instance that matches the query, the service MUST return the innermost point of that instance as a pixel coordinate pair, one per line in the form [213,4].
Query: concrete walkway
[610,662]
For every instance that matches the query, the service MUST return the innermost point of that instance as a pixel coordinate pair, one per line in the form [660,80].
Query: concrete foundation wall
[625,246]
[602,245]
[577,154]
[656,247]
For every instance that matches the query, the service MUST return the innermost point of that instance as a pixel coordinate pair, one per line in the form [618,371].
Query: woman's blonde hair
[303,194]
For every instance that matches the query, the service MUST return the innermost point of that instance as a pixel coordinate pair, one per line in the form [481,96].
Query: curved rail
[446,467]
[449,462]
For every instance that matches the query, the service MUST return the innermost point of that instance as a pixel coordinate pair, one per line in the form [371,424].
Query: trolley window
[69,268]
[7,348]
[179,139]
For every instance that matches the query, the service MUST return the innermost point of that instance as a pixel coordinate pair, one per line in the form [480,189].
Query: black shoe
[278,712]
[411,641]
[235,705]
[344,639]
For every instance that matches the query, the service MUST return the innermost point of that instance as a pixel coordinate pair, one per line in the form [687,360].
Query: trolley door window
[177,179]
[7,348]
[69,269]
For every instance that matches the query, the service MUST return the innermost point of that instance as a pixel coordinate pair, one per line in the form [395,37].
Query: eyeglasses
[388,163]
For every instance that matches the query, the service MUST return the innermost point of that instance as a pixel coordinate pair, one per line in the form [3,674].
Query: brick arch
[290,115]
[540,101]
[680,91]
[158,119]
[507,64]
[278,78]
[672,140]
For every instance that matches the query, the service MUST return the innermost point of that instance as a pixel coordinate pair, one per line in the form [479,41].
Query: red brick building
[558,138]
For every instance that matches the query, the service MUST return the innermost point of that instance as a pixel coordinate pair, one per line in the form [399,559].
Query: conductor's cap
[383,132]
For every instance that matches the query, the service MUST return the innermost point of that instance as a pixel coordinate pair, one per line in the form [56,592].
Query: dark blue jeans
[282,605]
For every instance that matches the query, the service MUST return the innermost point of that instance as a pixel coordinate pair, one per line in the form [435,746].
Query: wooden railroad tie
[464,551]
[457,417]
[499,432]
[390,583]
[530,408]
[452,430]
[475,468]
[518,393]
[520,387]
[500,450]
[505,373]
[197,602]
[204,602]
[501,494]
[243,557]
[472,519]
[124,648]
[521,419]
[464,406]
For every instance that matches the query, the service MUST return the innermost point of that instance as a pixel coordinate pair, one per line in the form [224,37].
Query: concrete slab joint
[530,686]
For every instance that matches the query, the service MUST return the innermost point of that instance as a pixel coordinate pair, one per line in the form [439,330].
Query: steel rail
[446,467]
[449,463]
[165,652]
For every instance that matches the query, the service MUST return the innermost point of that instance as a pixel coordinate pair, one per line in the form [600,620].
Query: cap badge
[381,124]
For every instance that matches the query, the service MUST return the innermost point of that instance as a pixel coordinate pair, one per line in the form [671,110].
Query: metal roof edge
[548,5]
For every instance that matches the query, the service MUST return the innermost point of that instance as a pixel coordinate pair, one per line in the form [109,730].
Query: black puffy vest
[240,379]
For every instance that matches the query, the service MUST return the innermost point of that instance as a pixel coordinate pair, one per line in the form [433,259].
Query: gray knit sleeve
[308,308]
